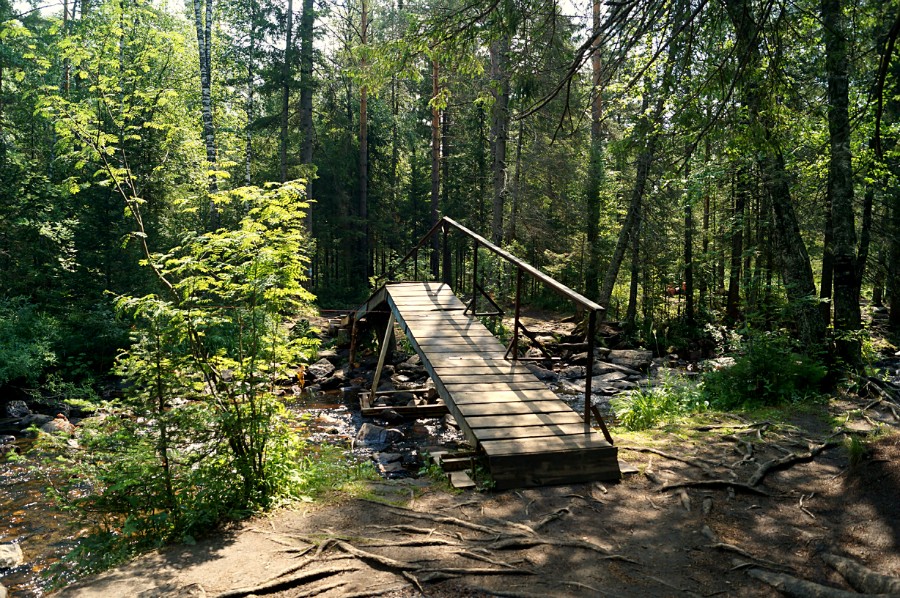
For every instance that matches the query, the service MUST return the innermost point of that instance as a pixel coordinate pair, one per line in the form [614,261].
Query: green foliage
[674,396]
[767,371]
[201,436]
[28,340]
[496,326]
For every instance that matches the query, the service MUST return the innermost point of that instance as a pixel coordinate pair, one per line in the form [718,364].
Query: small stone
[11,555]
[374,437]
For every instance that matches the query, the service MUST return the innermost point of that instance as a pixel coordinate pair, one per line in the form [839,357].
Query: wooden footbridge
[528,436]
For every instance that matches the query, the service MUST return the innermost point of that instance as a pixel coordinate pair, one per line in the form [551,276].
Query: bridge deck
[529,436]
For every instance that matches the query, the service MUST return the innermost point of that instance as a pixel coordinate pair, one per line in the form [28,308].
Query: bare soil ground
[711,504]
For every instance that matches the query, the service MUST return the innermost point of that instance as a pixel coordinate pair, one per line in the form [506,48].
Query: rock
[336,380]
[59,425]
[568,387]
[320,369]
[11,555]
[35,419]
[385,458]
[17,409]
[541,373]
[331,355]
[572,372]
[600,368]
[3,593]
[372,436]
[637,359]
[610,377]
[389,468]
[580,358]
[719,363]
[6,439]
[413,363]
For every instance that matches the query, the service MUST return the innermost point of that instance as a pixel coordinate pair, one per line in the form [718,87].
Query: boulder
[572,372]
[637,359]
[541,373]
[610,377]
[320,369]
[11,555]
[35,419]
[413,364]
[602,367]
[17,409]
[59,425]
[374,437]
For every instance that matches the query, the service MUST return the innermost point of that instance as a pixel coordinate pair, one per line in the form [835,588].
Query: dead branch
[714,484]
[800,588]
[558,514]
[861,578]
[788,460]
[288,582]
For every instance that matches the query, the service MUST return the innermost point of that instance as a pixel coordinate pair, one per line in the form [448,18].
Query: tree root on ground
[799,588]
[738,486]
[788,460]
[446,519]
[287,582]
[692,462]
[861,578]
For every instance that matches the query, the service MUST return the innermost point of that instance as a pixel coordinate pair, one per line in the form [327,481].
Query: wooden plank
[460,480]
[482,387]
[447,330]
[515,408]
[529,431]
[458,376]
[487,359]
[499,370]
[487,343]
[518,446]
[532,419]
[501,394]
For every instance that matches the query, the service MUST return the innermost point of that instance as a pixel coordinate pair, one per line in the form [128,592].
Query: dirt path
[640,537]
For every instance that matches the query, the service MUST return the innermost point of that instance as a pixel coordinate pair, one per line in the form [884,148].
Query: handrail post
[445,269]
[474,277]
[416,264]
[589,373]
[515,342]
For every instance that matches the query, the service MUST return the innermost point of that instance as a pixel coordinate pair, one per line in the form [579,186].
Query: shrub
[768,371]
[675,395]
[28,337]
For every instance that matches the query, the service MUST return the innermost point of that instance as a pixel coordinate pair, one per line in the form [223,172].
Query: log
[861,578]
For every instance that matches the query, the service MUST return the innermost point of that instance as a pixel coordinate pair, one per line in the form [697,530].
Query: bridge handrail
[481,241]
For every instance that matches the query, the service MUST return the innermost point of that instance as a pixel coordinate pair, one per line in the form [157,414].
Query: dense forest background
[738,155]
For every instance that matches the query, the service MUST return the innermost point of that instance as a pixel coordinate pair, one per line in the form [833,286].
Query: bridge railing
[445,225]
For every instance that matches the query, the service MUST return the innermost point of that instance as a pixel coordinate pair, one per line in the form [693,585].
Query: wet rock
[320,370]
[6,439]
[541,373]
[59,425]
[17,409]
[375,437]
[633,358]
[11,555]
[336,380]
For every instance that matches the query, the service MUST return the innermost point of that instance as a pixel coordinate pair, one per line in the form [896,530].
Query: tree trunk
[631,312]
[847,318]
[688,248]
[307,32]
[435,165]
[595,167]
[286,77]
[517,179]
[204,41]
[795,265]
[499,51]
[363,266]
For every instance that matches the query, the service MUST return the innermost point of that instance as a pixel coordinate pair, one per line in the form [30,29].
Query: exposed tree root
[799,588]
[788,460]
[558,514]
[692,462]
[287,583]
[409,543]
[375,591]
[524,543]
[861,578]
[747,555]
[715,484]
[446,519]
[375,559]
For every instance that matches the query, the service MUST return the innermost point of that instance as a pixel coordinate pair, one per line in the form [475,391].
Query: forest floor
[717,500]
